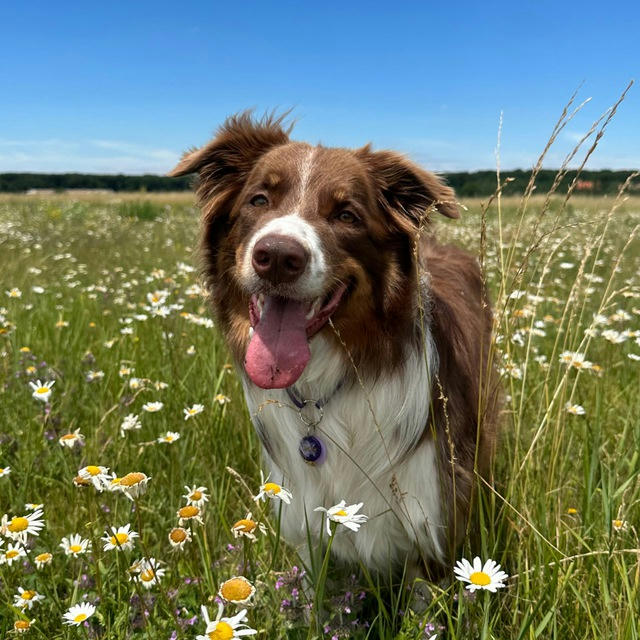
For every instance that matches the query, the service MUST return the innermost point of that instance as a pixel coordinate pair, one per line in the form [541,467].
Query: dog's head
[295,234]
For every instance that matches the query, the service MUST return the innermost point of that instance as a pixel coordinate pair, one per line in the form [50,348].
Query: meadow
[109,358]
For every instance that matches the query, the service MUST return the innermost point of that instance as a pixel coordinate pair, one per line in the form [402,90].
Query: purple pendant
[312,450]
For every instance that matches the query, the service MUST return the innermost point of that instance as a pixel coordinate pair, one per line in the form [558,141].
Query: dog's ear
[404,189]
[230,156]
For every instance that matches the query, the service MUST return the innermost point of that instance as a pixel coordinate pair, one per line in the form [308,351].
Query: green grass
[559,479]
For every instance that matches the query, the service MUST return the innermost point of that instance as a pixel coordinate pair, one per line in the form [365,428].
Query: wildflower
[236,590]
[21,526]
[135,384]
[160,386]
[42,559]
[94,375]
[343,514]
[114,483]
[148,572]
[169,437]
[22,626]
[5,471]
[178,537]
[191,351]
[33,506]
[11,554]
[157,298]
[97,475]
[71,439]
[75,545]
[272,490]
[125,371]
[246,527]
[193,411]
[572,511]
[222,399]
[78,613]
[225,628]
[41,390]
[61,324]
[634,356]
[121,538]
[619,525]
[14,293]
[79,481]
[196,495]
[188,513]
[487,577]
[575,409]
[26,598]
[131,422]
[134,484]
[152,407]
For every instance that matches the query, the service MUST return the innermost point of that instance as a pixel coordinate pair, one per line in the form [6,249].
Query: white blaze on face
[311,283]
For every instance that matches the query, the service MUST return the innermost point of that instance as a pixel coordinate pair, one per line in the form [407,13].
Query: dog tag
[312,450]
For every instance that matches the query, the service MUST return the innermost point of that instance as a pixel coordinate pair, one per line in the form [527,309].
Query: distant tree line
[466,184]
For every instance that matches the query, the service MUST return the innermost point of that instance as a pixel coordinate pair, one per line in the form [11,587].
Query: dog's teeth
[250,332]
[260,303]
[313,309]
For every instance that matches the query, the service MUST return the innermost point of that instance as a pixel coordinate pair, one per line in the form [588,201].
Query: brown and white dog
[362,344]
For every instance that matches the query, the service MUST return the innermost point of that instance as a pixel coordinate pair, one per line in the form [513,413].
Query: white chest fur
[376,454]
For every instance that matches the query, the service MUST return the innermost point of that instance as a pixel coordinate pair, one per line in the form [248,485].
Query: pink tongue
[279,350]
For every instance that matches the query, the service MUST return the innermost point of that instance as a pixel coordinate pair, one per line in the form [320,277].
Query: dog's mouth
[279,350]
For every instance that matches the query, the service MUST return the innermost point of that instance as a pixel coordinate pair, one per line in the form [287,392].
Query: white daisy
[237,590]
[248,527]
[22,626]
[574,409]
[477,576]
[134,484]
[120,538]
[226,628]
[343,514]
[222,399]
[97,475]
[130,422]
[75,545]
[189,513]
[196,495]
[12,553]
[152,407]
[178,537]
[19,527]
[148,572]
[78,613]
[5,471]
[33,506]
[169,437]
[43,559]
[26,598]
[272,490]
[189,412]
[71,439]
[41,390]
[14,293]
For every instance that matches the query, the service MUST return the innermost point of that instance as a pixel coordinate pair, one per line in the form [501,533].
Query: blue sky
[126,86]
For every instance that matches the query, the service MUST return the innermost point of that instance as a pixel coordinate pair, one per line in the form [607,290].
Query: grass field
[101,297]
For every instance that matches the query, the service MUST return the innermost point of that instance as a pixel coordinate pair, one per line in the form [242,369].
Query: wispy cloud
[85,156]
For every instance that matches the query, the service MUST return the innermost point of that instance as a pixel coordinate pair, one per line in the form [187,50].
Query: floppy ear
[230,156]
[405,189]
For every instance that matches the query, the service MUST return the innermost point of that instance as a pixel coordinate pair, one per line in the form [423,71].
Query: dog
[363,345]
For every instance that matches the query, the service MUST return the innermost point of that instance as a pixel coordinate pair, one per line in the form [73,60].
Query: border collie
[362,344]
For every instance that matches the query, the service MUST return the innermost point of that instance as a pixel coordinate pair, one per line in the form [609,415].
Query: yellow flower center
[223,631]
[119,539]
[480,578]
[74,548]
[272,487]
[571,511]
[69,436]
[245,525]
[132,478]
[618,524]
[190,511]
[148,575]
[92,470]
[81,617]
[25,349]
[42,390]
[28,595]
[11,554]
[236,590]
[43,557]
[18,524]
[196,495]
[21,625]
[340,512]
[178,535]
[79,480]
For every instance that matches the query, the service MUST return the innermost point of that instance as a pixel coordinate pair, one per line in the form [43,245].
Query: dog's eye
[347,217]
[259,201]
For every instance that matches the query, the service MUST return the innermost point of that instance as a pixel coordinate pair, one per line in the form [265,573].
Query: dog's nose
[279,258]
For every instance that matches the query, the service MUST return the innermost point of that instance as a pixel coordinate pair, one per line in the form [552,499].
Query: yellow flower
[237,590]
